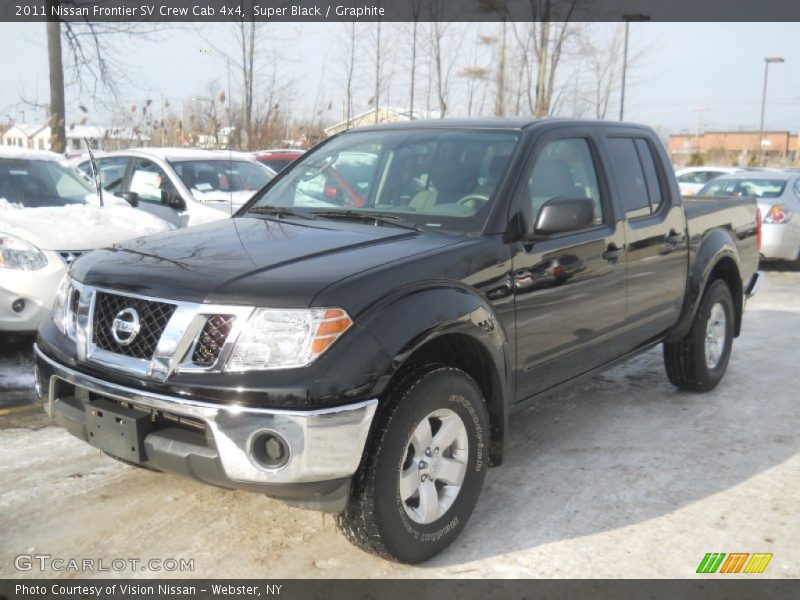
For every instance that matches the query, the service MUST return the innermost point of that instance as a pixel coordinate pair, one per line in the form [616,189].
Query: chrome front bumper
[324,445]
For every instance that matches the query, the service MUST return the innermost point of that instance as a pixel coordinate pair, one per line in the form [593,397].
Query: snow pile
[80,226]
[6,205]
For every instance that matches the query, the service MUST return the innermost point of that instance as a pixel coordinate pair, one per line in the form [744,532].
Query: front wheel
[698,361]
[423,467]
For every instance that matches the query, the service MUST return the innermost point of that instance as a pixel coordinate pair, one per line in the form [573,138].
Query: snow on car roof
[28,154]
[183,153]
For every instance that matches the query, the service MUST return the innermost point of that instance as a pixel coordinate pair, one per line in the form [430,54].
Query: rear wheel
[698,361]
[423,467]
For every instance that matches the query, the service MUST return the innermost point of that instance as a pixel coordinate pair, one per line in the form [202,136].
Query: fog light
[18,305]
[269,449]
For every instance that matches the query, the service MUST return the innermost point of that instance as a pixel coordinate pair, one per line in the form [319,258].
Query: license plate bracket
[116,429]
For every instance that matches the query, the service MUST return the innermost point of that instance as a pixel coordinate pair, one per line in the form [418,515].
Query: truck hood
[78,227]
[251,261]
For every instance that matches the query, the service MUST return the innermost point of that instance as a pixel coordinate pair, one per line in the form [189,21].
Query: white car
[691,179]
[183,186]
[49,216]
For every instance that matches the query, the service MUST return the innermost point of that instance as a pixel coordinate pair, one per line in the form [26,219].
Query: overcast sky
[688,65]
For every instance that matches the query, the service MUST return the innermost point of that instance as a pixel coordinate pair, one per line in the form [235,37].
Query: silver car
[778,197]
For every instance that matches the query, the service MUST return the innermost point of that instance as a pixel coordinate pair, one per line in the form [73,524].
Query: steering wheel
[474,201]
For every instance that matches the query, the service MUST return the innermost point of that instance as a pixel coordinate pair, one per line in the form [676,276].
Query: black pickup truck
[355,338]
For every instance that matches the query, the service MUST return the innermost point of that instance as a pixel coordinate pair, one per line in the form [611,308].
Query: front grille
[69,256]
[153,319]
[211,339]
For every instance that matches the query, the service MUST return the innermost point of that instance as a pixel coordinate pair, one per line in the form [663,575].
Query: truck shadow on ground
[626,447]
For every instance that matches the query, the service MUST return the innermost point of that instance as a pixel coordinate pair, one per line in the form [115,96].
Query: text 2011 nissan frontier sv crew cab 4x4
[364,357]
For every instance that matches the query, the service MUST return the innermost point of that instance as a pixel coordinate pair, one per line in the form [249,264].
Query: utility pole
[699,110]
[627,18]
[767,61]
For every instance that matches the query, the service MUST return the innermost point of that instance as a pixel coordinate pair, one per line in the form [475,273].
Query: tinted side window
[629,175]
[565,169]
[651,174]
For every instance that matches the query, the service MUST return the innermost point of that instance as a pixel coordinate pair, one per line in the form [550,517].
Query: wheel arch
[716,258]
[451,326]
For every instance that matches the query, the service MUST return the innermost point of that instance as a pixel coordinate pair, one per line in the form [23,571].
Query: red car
[278,159]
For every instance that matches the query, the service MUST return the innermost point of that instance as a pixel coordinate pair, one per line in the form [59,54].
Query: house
[219,140]
[385,114]
[37,137]
[27,135]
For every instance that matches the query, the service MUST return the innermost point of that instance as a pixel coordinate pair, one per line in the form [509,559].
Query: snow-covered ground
[621,476]
[16,374]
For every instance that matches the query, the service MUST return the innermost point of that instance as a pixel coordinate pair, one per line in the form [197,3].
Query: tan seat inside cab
[449,180]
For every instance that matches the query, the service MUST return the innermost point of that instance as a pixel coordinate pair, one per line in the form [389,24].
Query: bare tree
[349,67]
[57,120]
[443,52]
[89,46]
[253,51]
[546,38]
[416,11]
[602,59]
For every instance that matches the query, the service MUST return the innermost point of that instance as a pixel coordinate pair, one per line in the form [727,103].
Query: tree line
[428,69]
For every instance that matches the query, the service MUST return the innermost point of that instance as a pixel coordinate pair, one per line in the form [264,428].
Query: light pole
[767,61]
[627,18]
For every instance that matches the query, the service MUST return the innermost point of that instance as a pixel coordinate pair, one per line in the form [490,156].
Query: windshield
[37,183]
[760,188]
[436,178]
[226,176]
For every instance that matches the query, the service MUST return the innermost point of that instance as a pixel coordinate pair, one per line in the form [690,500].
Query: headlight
[286,338]
[64,305]
[16,253]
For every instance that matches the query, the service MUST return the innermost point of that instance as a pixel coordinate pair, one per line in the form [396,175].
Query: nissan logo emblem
[125,326]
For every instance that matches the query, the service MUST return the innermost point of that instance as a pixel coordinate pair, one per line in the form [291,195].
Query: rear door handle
[612,253]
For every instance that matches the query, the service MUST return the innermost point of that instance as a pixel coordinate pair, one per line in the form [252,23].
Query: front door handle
[673,238]
[612,253]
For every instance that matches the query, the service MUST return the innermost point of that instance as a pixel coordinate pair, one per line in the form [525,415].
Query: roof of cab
[517,123]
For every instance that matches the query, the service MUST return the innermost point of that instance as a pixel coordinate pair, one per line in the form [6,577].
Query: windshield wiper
[279,211]
[387,219]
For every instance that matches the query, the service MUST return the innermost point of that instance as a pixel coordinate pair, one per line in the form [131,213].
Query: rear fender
[716,251]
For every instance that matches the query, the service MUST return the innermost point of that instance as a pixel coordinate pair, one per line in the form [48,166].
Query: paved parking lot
[621,476]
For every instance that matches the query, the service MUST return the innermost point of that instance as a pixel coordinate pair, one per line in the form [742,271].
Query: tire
[381,517]
[690,364]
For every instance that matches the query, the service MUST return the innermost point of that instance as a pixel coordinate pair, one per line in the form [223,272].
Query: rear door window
[638,181]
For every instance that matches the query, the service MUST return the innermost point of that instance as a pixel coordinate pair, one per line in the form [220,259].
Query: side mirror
[562,215]
[131,198]
[172,200]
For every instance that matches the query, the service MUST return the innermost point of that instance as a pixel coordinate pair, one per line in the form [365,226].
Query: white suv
[48,217]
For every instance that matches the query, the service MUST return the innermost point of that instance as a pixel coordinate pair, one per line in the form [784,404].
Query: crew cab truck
[364,359]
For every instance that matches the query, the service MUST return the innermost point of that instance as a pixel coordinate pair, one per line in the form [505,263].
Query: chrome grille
[211,340]
[153,319]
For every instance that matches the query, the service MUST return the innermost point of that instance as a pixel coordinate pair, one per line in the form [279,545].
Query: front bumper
[216,443]
[35,288]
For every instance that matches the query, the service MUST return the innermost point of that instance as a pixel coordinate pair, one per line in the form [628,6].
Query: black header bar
[398,10]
